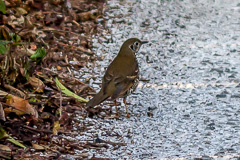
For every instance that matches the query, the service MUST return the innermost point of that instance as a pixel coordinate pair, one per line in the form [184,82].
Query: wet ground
[190,106]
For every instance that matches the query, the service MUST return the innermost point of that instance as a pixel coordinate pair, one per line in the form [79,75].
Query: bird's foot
[117,115]
[128,116]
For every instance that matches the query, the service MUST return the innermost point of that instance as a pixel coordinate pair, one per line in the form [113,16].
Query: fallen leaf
[4,33]
[22,106]
[2,113]
[5,148]
[2,7]
[37,84]
[2,48]
[38,147]
[10,139]
[21,11]
[39,55]
[69,93]
[3,134]
[56,127]
[30,52]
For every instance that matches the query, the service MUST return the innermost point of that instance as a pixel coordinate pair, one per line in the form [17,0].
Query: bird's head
[132,44]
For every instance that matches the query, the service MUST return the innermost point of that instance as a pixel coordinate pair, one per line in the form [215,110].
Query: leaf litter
[41,42]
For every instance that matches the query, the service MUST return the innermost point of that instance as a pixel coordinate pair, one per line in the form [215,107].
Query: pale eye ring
[136,43]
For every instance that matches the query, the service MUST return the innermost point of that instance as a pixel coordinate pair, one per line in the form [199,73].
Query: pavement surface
[189,104]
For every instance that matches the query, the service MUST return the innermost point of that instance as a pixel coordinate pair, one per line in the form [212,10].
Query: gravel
[189,107]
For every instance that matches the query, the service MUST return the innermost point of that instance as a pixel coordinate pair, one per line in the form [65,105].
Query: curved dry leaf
[22,106]
[5,148]
[30,52]
[21,11]
[15,91]
[2,113]
[38,147]
[37,84]
[4,33]
[28,22]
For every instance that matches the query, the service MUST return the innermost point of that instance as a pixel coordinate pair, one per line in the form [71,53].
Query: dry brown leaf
[5,148]
[20,11]
[45,77]
[56,127]
[14,90]
[22,106]
[27,22]
[30,52]
[38,147]
[37,84]
[4,33]
[2,113]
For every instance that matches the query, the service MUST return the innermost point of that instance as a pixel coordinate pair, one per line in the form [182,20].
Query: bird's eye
[136,43]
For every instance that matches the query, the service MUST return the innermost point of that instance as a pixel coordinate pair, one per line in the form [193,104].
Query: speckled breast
[133,87]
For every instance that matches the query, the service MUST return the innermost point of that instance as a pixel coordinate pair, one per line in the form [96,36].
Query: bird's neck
[126,53]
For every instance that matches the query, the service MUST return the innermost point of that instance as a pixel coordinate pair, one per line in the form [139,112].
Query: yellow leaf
[56,127]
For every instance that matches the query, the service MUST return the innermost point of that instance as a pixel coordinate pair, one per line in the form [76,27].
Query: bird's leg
[125,103]
[115,103]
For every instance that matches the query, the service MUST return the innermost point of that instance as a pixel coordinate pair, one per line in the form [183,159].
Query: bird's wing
[108,82]
[116,84]
[123,84]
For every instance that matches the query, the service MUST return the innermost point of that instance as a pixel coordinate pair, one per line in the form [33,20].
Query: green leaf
[39,54]
[69,93]
[3,133]
[15,142]
[16,38]
[2,48]
[2,7]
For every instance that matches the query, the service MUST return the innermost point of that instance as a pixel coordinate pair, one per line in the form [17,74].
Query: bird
[121,77]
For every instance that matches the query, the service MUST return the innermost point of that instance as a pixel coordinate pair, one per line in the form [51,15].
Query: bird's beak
[143,42]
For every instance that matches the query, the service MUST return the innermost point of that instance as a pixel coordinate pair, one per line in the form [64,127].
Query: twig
[5,157]
[2,113]
[12,108]
[37,130]
[54,30]
[66,60]
[15,90]
[60,105]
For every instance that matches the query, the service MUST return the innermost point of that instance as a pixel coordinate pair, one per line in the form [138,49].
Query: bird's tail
[97,99]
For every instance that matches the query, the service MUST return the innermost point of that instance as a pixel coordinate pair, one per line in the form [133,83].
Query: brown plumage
[122,75]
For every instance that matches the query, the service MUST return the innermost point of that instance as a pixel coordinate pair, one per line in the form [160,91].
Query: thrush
[122,75]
